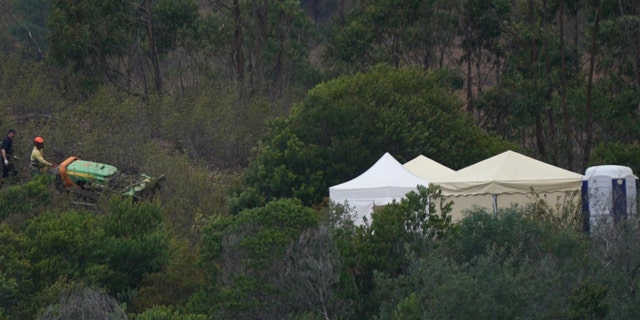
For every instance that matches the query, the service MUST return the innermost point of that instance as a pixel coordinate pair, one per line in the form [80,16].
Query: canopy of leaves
[343,126]
[244,256]
[505,266]
[52,252]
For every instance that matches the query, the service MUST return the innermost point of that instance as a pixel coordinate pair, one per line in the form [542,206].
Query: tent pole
[495,204]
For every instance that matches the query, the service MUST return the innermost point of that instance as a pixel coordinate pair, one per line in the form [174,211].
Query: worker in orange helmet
[38,164]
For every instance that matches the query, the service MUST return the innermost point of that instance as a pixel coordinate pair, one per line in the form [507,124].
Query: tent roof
[386,179]
[509,172]
[427,168]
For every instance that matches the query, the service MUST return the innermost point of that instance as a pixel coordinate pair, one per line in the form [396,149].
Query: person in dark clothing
[7,155]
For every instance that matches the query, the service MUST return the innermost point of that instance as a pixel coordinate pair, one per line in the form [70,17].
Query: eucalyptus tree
[620,49]
[116,41]
[618,73]
[23,27]
[518,107]
[481,30]
[263,43]
[399,33]
[551,95]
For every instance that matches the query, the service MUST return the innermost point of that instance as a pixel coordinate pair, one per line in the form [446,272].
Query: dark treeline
[252,109]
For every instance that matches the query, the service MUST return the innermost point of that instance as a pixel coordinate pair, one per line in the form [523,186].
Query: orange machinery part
[63,171]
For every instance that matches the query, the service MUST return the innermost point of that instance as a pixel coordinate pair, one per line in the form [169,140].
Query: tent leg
[495,204]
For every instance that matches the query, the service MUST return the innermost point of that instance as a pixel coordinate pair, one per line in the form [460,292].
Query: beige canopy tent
[505,179]
[427,168]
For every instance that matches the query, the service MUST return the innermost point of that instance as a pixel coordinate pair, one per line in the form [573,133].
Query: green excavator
[90,180]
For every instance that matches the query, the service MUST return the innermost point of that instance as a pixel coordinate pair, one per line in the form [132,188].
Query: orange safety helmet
[38,140]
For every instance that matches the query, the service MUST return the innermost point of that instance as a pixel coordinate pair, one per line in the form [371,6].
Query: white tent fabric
[385,181]
[513,177]
[427,168]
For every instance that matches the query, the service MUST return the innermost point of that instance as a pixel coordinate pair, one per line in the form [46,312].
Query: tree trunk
[153,48]
[589,103]
[563,87]
[539,134]
[238,40]
[552,137]
[26,28]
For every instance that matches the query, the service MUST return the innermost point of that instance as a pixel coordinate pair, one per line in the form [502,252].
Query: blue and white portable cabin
[609,192]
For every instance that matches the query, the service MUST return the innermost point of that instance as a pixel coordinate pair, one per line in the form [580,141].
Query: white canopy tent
[385,181]
[507,178]
[427,168]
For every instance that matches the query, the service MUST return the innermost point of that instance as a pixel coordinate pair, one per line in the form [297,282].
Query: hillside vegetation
[252,110]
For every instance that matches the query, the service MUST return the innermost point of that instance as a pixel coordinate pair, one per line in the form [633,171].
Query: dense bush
[344,125]
[492,266]
[54,252]
[245,258]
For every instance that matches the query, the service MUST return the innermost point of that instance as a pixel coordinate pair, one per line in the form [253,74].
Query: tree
[264,44]
[134,245]
[24,23]
[312,275]
[88,35]
[343,126]
[14,273]
[81,303]
[116,41]
[398,234]
[613,247]
[481,30]
[398,33]
[113,252]
[491,266]
[245,257]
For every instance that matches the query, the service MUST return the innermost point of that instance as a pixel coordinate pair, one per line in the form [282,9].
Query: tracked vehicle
[89,180]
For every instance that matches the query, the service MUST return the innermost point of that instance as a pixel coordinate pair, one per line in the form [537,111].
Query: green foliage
[587,302]
[167,313]
[22,200]
[34,99]
[616,283]
[213,126]
[617,153]
[83,302]
[566,214]
[244,256]
[59,248]
[86,34]
[398,233]
[62,245]
[408,309]
[275,265]
[15,279]
[173,19]
[505,266]
[23,30]
[174,284]
[134,245]
[344,125]
[191,195]
[115,251]
[264,46]
[516,234]
[398,33]
[108,119]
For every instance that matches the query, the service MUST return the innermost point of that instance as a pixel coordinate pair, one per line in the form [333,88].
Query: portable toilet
[608,193]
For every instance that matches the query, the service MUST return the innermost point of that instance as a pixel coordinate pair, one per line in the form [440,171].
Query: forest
[251,109]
